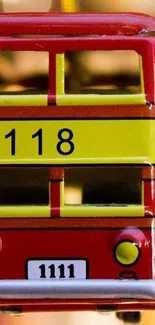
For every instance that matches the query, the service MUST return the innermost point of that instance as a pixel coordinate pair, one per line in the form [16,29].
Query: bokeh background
[14,69]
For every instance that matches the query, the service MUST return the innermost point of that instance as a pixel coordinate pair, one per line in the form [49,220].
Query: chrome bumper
[77,289]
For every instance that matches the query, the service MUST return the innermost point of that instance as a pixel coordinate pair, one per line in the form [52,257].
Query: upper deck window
[24,77]
[102,72]
[99,77]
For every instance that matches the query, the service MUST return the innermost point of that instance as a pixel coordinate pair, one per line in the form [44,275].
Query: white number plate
[56,269]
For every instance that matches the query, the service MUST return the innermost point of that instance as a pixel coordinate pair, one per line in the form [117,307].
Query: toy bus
[95,253]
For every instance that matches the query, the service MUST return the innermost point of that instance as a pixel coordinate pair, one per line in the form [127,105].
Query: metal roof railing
[126,24]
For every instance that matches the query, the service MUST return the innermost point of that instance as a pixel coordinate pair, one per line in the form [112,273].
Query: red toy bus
[98,251]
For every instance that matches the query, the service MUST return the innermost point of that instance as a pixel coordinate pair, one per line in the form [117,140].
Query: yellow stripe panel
[94,211]
[24,100]
[93,141]
[13,211]
[93,99]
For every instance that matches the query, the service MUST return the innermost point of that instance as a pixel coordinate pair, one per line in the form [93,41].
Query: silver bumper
[77,289]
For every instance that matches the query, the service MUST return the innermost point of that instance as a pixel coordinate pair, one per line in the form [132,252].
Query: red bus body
[91,239]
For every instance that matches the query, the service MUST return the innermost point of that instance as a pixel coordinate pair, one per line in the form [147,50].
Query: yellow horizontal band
[14,211]
[78,142]
[94,211]
[23,100]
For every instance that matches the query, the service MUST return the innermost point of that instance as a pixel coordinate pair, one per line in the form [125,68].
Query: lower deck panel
[95,246]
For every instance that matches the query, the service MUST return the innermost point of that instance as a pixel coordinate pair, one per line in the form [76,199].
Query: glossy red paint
[56,175]
[54,198]
[136,235]
[75,23]
[77,223]
[90,112]
[94,245]
[62,305]
[149,199]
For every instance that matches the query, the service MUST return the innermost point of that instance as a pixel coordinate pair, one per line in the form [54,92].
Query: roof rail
[127,24]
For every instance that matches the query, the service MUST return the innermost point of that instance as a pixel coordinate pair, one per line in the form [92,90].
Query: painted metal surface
[57,131]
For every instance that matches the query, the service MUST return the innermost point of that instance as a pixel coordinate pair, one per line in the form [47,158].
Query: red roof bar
[75,23]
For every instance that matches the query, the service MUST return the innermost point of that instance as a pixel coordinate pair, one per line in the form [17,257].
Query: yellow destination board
[77,141]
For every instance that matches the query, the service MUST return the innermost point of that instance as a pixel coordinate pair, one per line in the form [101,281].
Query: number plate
[56,269]
[76,141]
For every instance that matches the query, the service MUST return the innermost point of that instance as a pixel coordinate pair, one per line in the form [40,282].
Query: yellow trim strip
[24,100]
[25,211]
[92,99]
[60,74]
[141,75]
[83,161]
[94,211]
